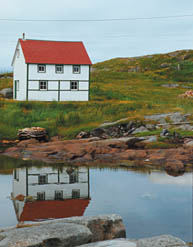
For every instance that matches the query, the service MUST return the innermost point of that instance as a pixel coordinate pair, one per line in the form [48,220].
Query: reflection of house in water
[45,193]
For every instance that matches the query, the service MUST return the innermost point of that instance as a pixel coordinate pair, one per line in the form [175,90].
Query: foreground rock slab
[112,243]
[158,241]
[68,232]
[161,241]
[56,234]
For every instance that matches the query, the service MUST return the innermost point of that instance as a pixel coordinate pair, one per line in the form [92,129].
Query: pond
[150,202]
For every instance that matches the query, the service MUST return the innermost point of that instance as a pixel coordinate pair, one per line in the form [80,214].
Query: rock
[67,232]
[175,166]
[33,132]
[107,124]
[139,130]
[161,241]
[158,241]
[25,143]
[149,139]
[177,117]
[165,65]
[103,227]
[158,117]
[55,138]
[99,132]
[165,132]
[58,234]
[188,144]
[187,127]
[7,92]
[150,126]
[112,243]
[187,94]
[171,85]
[83,134]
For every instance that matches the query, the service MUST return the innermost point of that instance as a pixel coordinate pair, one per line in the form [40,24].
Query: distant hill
[124,76]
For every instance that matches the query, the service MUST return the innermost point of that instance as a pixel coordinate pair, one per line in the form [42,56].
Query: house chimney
[23,36]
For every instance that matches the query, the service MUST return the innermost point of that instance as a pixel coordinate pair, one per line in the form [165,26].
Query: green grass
[115,93]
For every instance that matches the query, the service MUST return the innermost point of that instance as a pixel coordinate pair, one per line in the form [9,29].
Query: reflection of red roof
[54,52]
[55,209]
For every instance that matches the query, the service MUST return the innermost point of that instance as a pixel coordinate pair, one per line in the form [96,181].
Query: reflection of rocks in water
[174,173]
[44,193]
[164,178]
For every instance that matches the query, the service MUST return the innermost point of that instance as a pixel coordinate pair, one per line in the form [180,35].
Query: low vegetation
[120,88]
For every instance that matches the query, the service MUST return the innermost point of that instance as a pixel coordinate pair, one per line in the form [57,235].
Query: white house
[44,193]
[51,70]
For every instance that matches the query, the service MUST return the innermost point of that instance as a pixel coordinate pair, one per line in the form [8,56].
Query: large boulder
[37,133]
[58,234]
[158,241]
[67,232]
[7,92]
[103,227]
[112,243]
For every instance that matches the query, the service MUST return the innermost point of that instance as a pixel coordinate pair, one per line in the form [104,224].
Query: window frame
[59,65]
[43,89]
[77,86]
[75,193]
[39,69]
[41,194]
[73,68]
[39,179]
[57,193]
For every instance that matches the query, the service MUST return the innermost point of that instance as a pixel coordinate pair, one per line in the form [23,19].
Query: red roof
[54,52]
[54,209]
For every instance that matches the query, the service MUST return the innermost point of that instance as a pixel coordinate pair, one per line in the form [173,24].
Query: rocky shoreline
[117,144]
[87,231]
[92,151]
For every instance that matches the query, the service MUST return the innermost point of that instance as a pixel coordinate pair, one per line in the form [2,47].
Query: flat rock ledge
[158,241]
[86,231]
[68,232]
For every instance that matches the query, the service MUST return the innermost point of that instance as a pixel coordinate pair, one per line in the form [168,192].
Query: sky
[103,39]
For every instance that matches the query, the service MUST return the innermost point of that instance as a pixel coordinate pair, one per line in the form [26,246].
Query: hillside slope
[141,77]
[120,88]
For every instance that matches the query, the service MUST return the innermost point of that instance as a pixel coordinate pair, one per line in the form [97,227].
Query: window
[43,179]
[16,174]
[73,177]
[58,195]
[41,68]
[59,69]
[17,85]
[43,85]
[41,196]
[75,194]
[74,85]
[76,69]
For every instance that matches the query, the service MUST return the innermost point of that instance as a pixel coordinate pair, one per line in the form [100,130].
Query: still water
[150,203]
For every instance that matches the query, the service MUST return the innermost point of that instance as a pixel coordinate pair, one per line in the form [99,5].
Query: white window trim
[77,89]
[59,72]
[43,89]
[44,68]
[74,72]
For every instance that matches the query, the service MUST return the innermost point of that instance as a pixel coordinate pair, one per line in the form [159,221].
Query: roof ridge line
[51,40]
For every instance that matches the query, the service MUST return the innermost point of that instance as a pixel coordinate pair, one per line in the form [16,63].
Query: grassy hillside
[120,88]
